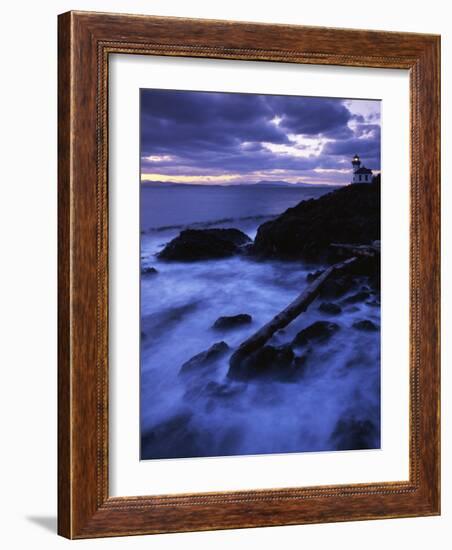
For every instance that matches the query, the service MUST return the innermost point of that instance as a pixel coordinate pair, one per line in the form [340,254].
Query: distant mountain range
[281,183]
[262,183]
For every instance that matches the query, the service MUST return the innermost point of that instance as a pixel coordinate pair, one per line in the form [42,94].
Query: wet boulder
[320,331]
[360,296]
[148,270]
[330,307]
[336,286]
[204,244]
[352,434]
[232,321]
[365,325]
[277,363]
[205,358]
[299,365]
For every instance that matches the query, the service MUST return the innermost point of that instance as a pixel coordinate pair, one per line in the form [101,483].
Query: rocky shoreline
[350,215]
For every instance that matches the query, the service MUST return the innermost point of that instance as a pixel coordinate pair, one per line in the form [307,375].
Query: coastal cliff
[348,215]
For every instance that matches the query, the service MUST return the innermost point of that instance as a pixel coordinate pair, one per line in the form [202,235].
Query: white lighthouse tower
[361,174]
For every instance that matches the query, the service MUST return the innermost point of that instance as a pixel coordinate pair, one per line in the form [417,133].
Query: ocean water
[206,414]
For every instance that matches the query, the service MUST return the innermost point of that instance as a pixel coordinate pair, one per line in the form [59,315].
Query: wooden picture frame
[86,40]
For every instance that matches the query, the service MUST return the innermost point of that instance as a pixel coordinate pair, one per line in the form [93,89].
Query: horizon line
[237,184]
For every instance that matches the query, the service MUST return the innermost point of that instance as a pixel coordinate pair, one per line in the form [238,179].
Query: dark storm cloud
[192,133]
[365,142]
[186,120]
[310,115]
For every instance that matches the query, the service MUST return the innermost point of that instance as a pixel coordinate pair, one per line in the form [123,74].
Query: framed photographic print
[248,275]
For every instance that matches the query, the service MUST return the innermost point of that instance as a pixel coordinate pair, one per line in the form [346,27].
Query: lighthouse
[361,174]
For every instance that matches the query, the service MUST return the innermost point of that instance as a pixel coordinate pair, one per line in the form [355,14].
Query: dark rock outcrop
[337,286]
[320,331]
[347,215]
[268,362]
[204,244]
[205,358]
[351,434]
[358,297]
[365,325]
[148,270]
[330,307]
[229,322]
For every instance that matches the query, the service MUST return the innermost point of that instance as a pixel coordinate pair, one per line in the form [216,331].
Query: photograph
[260,274]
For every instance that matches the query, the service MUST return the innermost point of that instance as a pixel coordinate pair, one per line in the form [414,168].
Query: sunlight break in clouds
[158,158]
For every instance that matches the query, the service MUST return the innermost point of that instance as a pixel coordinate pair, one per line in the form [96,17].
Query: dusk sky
[224,138]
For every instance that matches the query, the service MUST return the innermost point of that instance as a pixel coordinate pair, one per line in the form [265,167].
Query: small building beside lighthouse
[361,174]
